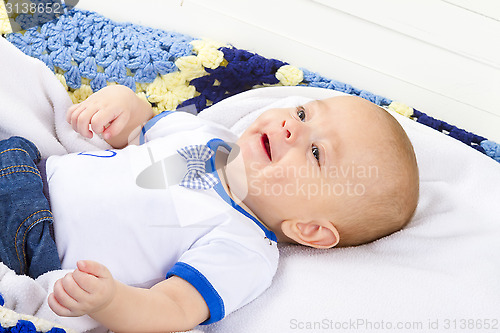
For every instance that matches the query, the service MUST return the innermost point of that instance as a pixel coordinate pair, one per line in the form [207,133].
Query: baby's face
[304,162]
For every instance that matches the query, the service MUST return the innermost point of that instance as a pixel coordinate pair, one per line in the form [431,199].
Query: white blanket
[440,274]
[33,105]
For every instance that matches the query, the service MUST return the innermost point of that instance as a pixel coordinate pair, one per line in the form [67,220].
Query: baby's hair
[391,199]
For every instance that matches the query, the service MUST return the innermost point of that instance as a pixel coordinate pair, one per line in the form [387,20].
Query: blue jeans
[26,244]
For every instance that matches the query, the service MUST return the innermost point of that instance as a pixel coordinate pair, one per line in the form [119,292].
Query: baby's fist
[88,289]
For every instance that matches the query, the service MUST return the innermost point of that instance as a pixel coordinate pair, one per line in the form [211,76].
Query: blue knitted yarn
[243,71]
[246,70]
[462,135]
[316,80]
[492,149]
[24,326]
[86,44]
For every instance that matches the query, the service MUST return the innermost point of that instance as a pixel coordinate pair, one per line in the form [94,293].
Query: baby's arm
[171,305]
[114,112]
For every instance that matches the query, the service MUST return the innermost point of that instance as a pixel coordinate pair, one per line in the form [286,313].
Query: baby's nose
[290,131]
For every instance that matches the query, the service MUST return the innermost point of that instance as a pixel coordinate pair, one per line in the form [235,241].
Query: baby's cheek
[275,183]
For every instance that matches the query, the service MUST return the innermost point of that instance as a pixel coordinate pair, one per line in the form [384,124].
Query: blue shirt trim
[108,153]
[199,281]
[214,144]
[147,126]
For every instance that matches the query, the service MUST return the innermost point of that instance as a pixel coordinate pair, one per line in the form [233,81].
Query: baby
[169,251]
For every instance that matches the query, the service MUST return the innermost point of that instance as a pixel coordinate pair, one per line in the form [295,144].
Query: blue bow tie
[196,177]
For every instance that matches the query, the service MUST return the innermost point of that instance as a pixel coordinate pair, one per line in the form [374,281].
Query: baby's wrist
[108,303]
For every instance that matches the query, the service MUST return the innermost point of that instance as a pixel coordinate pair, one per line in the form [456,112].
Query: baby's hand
[88,289]
[107,112]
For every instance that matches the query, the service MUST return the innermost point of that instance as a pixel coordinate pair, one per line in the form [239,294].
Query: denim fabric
[26,245]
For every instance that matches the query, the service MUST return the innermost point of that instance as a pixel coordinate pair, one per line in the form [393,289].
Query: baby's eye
[315,151]
[301,113]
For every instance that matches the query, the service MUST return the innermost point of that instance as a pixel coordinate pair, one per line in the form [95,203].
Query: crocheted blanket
[87,51]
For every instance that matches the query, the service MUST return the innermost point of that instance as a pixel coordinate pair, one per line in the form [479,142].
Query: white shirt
[125,209]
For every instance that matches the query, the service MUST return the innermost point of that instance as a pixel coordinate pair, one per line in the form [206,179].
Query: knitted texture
[87,52]
[490,148]
[4,19]
[12,322]
[24,326]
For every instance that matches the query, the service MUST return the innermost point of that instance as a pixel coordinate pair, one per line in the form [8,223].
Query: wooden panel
[488,8]
[437,22]
[336,43]
[416,62]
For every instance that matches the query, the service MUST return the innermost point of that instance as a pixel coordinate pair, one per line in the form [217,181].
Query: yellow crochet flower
[190,67]
[167,101]
[401,108]
[201,44]
[169,90]
[163,84]
[142,96]
[141,87]
[5,27]
[184,92]
[61,79]
[81,94]
[289,75]
[210,57]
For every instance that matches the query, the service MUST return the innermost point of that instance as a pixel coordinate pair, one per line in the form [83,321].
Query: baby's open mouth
[265,143]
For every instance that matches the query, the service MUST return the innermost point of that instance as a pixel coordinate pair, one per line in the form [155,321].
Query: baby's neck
[220,166]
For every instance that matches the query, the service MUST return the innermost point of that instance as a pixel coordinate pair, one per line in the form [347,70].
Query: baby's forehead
[358,129]
[355,111]
[353,103]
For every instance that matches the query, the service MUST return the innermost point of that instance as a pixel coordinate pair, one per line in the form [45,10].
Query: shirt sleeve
[228,273]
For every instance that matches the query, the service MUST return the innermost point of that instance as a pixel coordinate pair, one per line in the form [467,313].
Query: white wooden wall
[439,56]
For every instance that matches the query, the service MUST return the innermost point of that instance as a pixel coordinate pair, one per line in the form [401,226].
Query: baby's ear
[320,234]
